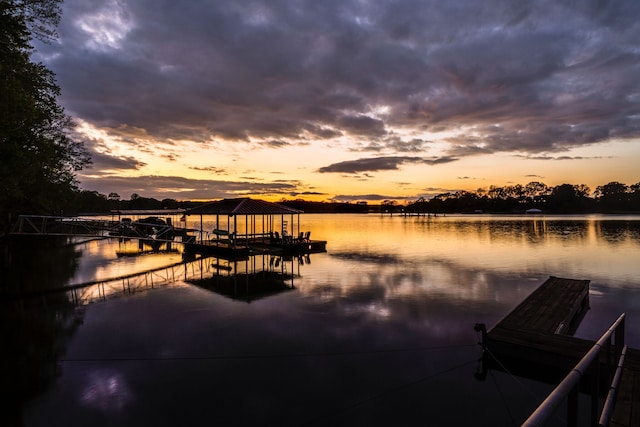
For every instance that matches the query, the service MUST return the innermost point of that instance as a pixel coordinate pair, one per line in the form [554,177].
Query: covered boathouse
[239,227]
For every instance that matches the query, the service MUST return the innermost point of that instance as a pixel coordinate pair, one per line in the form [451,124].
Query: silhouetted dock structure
[535,341]
[245,226]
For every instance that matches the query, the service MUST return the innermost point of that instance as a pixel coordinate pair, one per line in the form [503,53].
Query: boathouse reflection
[256,277]
[248,279]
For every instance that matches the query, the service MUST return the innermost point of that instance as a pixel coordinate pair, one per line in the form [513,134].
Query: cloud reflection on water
[106,390]
[393,300]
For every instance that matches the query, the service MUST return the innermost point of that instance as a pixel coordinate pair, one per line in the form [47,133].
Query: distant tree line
[94,202]
[328,207]
[613,197]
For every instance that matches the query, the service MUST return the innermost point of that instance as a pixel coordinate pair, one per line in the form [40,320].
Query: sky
[349,100]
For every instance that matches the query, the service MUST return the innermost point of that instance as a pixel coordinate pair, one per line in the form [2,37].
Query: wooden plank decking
[535,336]
[627,409]
[555,307]
[535,340]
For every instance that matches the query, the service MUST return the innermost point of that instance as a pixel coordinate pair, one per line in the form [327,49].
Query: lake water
[376,331]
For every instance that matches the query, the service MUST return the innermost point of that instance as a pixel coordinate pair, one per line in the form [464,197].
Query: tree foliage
[561,199]
[613,197]
[39,157]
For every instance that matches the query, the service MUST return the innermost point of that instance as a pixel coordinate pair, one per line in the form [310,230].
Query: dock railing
[62,225]
[568,388]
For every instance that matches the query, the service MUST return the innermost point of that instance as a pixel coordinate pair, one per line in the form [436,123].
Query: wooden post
[572,407]
[595,391]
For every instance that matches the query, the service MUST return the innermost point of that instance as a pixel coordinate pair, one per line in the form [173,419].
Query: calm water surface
[376,331]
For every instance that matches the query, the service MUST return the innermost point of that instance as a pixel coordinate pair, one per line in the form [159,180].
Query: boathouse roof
[242,206]
[158,212]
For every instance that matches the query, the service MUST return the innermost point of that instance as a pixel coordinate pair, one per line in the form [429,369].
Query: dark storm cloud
[162,187]
[532,77]
[275,143]
[101,162]
[395,144]
[362,125]
[381,163]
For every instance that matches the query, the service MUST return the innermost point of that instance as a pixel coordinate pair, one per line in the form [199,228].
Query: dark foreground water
[377,331]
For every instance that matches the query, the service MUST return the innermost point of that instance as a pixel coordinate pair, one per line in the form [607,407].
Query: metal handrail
[607,410]
[570,382]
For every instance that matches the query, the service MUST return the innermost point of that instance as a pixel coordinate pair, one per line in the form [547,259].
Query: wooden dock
[535,341]
[627,409]
[556,307]
[242,248]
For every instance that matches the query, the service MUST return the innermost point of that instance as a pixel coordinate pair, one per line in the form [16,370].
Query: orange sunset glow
[348,100]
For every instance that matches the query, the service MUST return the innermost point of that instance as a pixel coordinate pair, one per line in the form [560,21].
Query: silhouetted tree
[612,197]
[39,158]
[169,204]
[138,202]
[634,197]
[536,192]
[566,198]
[92,202]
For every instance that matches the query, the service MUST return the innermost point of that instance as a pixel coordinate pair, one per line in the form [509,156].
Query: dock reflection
[254,277]
[259,276]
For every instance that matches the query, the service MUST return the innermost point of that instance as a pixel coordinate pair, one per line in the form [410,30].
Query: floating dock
[245,227]
[536,336]
[536,341]
[556,307]
[242,248]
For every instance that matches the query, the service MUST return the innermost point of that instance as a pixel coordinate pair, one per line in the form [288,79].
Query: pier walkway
[225,240]
[535,341]
[627,407]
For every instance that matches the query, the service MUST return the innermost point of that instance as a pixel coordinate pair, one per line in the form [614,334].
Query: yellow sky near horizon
[348,100]
[298,165]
